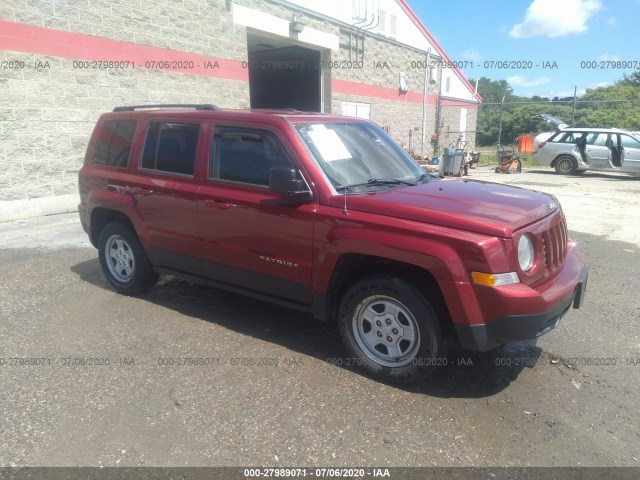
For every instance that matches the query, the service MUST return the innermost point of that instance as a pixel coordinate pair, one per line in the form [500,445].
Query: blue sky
[567,32]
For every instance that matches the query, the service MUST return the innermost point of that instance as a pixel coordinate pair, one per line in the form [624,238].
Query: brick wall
[47,114]
[197,26]
[450,127]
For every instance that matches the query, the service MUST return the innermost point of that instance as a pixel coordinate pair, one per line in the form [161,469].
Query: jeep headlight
[526,253]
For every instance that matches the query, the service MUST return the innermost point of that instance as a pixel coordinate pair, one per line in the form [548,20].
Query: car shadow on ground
[461,374]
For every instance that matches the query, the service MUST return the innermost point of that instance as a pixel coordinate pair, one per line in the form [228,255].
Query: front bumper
[515,328]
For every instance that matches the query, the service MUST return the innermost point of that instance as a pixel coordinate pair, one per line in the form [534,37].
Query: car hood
[484,207]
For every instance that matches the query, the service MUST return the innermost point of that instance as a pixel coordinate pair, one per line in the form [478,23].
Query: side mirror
[287,181]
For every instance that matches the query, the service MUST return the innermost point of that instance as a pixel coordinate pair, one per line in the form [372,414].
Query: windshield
[360,156]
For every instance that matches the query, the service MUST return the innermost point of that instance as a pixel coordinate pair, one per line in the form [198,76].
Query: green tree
[493,90]
[609,106]
[632,80]
[616,105]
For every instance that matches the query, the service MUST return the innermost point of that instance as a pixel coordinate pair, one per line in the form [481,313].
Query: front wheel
[391,329]
[565,165]
[123,260]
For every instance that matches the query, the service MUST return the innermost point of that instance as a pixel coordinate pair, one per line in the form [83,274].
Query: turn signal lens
[495,279]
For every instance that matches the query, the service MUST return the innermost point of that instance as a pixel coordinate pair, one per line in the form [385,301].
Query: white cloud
[520,81]
[471,55]
[563,93]
[608,57]
[582,89]
[553,18]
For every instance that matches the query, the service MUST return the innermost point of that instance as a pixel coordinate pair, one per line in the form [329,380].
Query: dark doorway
[282,75]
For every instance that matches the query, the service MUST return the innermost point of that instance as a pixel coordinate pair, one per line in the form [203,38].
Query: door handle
[143,191]
[119,188]
[217,203]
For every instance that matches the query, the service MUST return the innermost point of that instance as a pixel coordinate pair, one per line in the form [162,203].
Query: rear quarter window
[569,137]
[114,143]
[555,137]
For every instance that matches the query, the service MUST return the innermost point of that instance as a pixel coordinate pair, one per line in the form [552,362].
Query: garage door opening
[282,75]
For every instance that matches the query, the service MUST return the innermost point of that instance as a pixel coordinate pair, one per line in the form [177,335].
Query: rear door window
[171,147]
[114,143]
[601,140]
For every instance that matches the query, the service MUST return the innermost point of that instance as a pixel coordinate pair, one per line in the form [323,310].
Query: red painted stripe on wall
[18,37]
[362,89]
[348,87]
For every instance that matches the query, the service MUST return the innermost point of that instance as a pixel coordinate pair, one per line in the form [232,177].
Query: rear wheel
[123,260]
[565,165]
[391,329]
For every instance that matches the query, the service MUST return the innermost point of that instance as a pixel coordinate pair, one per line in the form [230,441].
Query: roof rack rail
[288,109]
[203,106]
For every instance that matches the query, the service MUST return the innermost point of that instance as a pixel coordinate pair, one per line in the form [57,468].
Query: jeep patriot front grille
[555,245]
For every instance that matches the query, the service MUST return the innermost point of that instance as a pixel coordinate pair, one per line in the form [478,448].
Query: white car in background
[544,136]
[578,149]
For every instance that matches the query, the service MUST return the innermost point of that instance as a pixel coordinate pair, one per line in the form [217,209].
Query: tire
[565,165]
[123,260]
[391,330]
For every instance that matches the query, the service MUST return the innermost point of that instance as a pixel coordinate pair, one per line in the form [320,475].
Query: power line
[540,102]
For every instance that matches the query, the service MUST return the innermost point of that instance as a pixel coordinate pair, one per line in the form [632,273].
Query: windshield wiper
[378,181]
[427,177]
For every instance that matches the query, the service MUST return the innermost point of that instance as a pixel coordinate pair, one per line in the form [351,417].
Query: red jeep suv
[327,215]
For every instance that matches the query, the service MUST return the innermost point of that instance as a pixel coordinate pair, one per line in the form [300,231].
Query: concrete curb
[37,207]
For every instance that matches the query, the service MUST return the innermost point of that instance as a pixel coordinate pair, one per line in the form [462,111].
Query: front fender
[441,260]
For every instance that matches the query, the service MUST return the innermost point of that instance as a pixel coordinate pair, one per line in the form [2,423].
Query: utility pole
[500,128]
[573,116]
[425,93]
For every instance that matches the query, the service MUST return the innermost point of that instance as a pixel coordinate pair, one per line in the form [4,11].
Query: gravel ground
[524,404]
